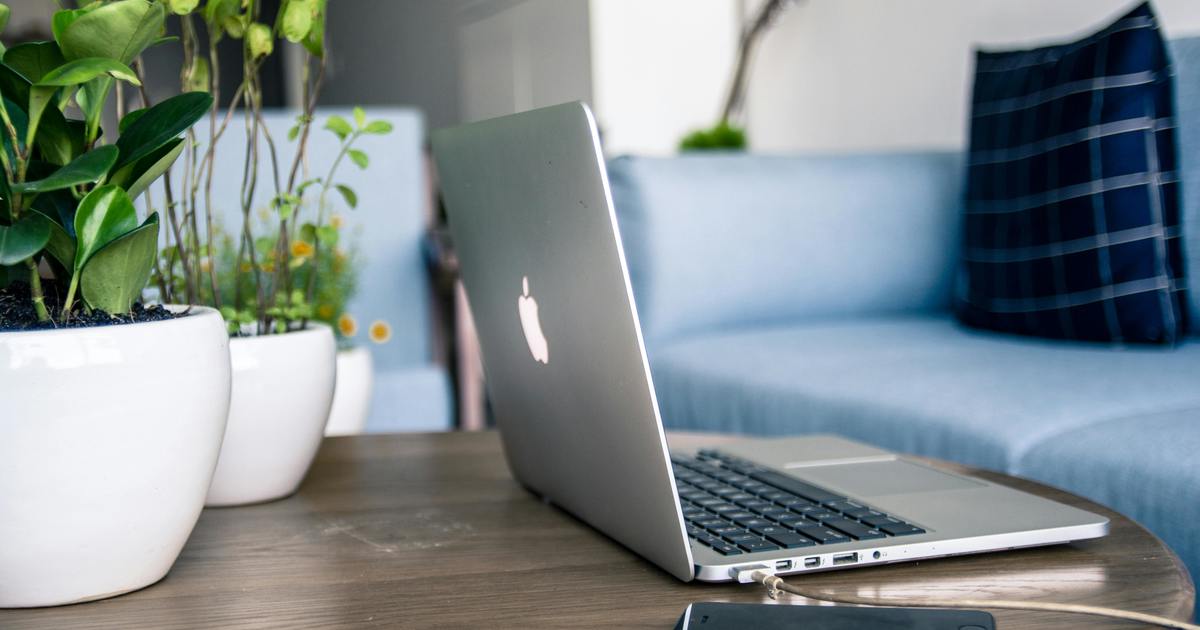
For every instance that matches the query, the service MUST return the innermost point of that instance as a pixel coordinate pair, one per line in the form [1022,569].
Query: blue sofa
[801,294]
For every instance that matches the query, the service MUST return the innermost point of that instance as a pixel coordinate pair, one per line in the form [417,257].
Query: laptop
[532,221]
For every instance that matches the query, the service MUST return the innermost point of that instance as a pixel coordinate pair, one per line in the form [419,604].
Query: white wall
[871,74]
[659,69]
[521,54]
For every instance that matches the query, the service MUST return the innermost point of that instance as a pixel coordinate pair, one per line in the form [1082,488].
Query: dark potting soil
[17,312]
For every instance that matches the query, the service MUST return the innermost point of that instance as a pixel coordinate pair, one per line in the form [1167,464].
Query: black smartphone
[717,616]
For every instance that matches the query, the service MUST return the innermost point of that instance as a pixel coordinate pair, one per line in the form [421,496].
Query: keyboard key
[709,523]
[903,529]
[742,537]
[844,506]
[799,488]
[767,530]
[722,508]
[728,530]
[821,515]
[771,511]
[864,513]
[823,535]
[691,511]
[789,540]
[880,521]
[789,518]
[733,516]
[694,531]
[741,496]
[751,523]
[854,529]
[746,503]
[726,549]
[757,487]
[757,545]
[726,491]
[779,497]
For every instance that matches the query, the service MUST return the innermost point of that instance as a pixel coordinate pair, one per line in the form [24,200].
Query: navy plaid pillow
[1072,221]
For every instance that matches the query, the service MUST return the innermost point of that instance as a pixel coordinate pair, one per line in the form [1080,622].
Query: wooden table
[430,530]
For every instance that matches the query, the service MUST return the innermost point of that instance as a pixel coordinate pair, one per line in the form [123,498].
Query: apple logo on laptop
[528,309]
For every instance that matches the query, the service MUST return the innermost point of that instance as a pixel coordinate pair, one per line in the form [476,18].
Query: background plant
[268,283]
[66,198]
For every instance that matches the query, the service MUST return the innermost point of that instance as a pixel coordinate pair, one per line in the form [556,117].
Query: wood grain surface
[430,530]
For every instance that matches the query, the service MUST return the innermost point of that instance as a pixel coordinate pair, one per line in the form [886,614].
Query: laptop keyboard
[736,507]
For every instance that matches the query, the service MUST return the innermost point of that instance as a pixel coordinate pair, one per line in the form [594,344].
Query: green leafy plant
[67,195]
[269,275]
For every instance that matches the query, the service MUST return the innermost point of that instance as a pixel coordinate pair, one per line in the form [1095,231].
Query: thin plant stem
[35,289]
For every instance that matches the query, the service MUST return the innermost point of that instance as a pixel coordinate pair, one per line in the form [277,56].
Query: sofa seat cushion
[1145,467]
[917,384]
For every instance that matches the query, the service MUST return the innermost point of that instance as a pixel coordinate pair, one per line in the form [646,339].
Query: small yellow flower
[268,267]
[325,311]
[380,331]
[246,267]
[301,249]
[347,325]
[337,221]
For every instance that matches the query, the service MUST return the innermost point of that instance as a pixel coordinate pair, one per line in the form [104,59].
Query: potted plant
[261,277]
[114,411]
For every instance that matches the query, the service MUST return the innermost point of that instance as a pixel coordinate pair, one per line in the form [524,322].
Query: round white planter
[352,395]
[108,440]
[282,389]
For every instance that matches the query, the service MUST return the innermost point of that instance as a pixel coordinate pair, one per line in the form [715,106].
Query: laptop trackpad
[875,479]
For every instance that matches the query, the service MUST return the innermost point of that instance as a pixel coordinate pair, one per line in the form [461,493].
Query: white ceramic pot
[352,395]
[108,440]
[282,389]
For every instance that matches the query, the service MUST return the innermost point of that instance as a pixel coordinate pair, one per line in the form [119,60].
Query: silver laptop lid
[534,229]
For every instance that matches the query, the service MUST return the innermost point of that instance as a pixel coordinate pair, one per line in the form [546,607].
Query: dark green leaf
[115,276]
[104,215]
[379,127]
[14,86]
[59,206]
[85,169]
[61,245]
[23,239]
[339,126]
[34,59]
[359,158]
[349,195]
[115,30]
[160,124]
[56,139]
[84,70]
[137,177]
[129,119]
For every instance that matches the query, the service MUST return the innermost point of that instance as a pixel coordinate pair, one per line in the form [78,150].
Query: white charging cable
[762,575]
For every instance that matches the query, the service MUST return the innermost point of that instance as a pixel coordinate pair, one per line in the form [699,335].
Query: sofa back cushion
[1185,56]
[727,240]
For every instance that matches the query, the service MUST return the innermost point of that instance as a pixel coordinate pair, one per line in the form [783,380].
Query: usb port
[783,565]
[845,558]
[812,563]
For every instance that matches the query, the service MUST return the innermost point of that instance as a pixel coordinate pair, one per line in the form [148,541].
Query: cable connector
[745,574]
